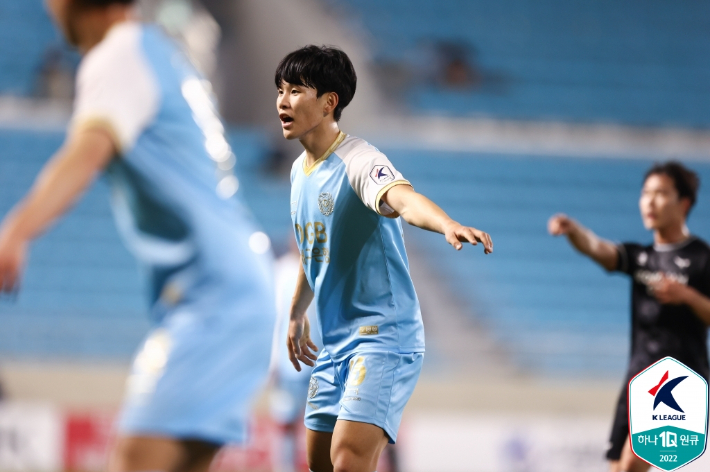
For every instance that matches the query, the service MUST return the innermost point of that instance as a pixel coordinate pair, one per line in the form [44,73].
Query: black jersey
[660,330]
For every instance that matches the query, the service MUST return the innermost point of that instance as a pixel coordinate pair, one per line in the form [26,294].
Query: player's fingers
[454,241]
[306,352]
[469,235]
[311,345]
[487,243]
[292,356]
[295,345]
[306,361]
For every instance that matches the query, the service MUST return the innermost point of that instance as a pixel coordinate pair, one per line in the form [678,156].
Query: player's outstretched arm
[419,211]
[584,240]
[62,181]
[299,344]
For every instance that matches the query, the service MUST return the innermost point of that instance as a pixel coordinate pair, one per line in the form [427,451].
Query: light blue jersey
[353,255]
[173,186]
[175,200]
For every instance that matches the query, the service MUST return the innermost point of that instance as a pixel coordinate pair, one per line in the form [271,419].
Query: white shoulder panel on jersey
[370,173]
[116,87]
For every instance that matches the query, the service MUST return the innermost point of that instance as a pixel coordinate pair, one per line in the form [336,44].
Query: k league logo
[382,174]
[668,414]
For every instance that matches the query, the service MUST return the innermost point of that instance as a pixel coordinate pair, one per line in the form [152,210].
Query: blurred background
[502,112]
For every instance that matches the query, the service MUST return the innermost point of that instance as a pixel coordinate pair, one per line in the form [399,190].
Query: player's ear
[331,102]
[685,205]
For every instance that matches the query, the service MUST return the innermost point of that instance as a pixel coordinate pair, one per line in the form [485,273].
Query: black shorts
[620,428]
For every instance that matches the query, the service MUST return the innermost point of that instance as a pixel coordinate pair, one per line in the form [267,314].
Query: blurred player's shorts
[195,377]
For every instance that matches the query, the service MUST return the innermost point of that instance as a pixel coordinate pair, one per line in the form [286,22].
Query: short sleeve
[116,89]
[627,261]
[371,174]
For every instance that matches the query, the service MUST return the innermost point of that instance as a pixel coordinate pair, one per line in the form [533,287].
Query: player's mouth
[286,120]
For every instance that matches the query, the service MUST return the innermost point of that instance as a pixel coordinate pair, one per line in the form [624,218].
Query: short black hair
[324,68]
[685,180]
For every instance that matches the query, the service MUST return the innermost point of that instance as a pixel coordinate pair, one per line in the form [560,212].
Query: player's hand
[669,292]
[560,224]
[299,344]
[455,234]
[13,253]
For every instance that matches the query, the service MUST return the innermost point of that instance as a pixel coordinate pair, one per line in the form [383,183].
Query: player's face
[62,13]
[300,109]
[660,204]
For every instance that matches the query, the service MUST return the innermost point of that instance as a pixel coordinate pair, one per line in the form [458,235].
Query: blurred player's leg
[630,463]
[143,453]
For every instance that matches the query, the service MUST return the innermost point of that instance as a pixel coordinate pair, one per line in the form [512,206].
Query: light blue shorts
[368,387]
[196,376]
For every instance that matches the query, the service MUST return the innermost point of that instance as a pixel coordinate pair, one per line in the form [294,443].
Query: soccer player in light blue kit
[346,200]
[145,117]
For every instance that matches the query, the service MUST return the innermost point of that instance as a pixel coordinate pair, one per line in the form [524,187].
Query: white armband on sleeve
[116,88]
[371,175]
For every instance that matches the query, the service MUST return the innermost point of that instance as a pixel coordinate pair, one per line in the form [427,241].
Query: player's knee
[319,463]
[346,459]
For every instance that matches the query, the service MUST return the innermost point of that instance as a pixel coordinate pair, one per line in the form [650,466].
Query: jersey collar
[308,170]
[674,246]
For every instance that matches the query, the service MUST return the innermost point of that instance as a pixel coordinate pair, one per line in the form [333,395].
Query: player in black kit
[670,287]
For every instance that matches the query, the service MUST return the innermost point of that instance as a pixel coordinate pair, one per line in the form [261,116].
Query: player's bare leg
[318,448]
[352,447]
[141,453]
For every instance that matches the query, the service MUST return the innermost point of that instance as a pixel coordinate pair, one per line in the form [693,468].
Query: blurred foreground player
[145,117]
[670,289]
[346,199]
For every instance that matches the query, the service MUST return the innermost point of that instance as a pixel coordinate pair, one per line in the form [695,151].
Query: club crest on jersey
[382,174]
[326,204]
[312,387]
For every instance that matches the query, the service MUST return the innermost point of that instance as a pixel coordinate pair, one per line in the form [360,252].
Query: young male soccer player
[346,198]
[143,115]
[670,290]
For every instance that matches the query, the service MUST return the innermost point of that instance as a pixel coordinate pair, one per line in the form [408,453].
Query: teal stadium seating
[640,62]
[26,33]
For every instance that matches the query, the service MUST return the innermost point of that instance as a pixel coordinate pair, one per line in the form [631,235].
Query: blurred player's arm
[419,211]
[671,292]
[59,185]
[585,241]
[299,344]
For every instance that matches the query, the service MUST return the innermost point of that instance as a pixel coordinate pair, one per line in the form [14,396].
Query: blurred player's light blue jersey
[173,188]
[353,255]
[175,200]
